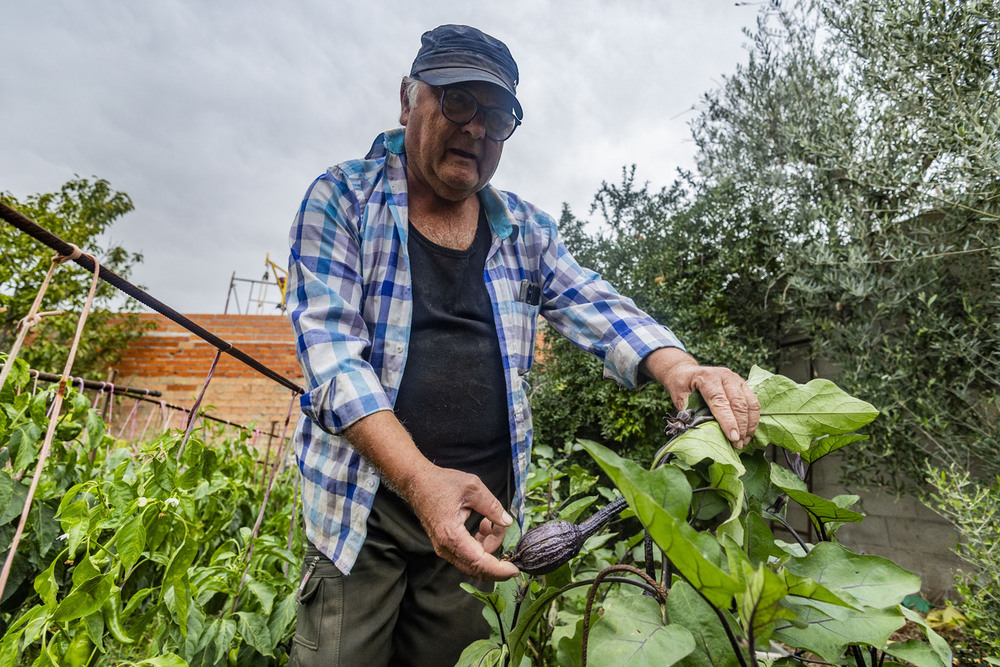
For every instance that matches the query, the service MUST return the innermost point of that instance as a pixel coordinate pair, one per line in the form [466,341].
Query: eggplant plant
[724,591]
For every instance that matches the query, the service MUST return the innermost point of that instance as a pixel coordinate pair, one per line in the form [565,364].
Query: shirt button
[399,347]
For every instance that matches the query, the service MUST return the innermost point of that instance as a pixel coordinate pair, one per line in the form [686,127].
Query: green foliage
[131,553]
[847,195]
[81,213]
[975,510]
[722,593]
[859,129]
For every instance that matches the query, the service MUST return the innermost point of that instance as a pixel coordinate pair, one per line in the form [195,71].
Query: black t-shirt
[453,394]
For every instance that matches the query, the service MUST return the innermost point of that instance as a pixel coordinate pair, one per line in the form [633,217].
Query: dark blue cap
[457,53]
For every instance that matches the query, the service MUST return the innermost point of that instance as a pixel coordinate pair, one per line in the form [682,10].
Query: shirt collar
[392,141]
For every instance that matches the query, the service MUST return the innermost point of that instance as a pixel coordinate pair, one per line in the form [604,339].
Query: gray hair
[412,86]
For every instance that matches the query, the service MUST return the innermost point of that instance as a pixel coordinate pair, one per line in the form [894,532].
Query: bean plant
[701,579]
[140,554]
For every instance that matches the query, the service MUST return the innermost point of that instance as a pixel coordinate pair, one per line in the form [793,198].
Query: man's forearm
[385,443]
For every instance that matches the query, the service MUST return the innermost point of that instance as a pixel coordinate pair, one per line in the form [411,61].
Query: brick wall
[175,362]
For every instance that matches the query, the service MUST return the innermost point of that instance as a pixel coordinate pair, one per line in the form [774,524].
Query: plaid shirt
[350,303]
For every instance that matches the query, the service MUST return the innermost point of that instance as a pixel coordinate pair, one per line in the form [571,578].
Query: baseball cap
[457,53]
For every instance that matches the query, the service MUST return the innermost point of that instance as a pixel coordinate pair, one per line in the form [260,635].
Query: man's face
[454,161]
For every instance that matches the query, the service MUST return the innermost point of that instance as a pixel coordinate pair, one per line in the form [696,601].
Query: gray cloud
[215,117]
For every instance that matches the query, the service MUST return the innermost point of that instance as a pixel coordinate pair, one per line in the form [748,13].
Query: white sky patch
[215,117]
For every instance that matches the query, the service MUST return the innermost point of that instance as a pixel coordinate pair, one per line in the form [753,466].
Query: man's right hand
[444,499]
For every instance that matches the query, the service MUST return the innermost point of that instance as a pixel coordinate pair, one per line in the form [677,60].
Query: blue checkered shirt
[349,300]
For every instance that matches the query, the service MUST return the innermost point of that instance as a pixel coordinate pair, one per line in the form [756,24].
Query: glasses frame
[479,107]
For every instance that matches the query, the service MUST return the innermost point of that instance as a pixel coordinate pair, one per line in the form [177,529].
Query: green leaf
[94,624]
[166,660]
[74,519]
[15,504]
[934,653]
[820,447]
[224,637]
[829,629]
[22,444]
[282,618]
[572,511]
[484,653]
[130,541]
[84,571]
[792,415]
[6,491]
[696,556]
[174,589]
[253,628]
[264,593]
[707,442]
[759,603]
[631,633]
[84,599]
[46,586]
[868,580]
[820,510]
[666,486]
[758,540]
[712,646]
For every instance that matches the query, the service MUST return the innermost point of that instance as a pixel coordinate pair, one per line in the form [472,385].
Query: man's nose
[477,126]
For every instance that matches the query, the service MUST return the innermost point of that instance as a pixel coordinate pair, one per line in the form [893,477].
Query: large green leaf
[631,633]
[821,510]
[697,557]
[712,646]
[707,442]
[665,485]
[174,590]
[827,630]
[868,580]
[792,415]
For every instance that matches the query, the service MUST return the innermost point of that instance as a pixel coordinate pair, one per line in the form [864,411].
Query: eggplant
[554,543]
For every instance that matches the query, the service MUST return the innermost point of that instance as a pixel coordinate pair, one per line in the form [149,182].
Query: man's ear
[404,104]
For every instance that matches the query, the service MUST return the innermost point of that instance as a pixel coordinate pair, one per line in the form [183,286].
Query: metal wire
[39,233]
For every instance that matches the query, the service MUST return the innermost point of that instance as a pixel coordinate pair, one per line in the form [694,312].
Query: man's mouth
[465,154]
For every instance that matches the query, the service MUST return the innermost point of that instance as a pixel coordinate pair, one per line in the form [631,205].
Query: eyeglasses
[460,107]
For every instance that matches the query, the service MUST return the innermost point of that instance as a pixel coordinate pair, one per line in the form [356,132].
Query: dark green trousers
[401,605]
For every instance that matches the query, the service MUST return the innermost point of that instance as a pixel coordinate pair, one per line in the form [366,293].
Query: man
[414,287]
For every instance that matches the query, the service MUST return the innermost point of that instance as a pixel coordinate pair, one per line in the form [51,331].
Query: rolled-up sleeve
[324,295]
[582,306]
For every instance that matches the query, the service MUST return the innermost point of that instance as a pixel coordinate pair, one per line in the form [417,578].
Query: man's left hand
[731,401]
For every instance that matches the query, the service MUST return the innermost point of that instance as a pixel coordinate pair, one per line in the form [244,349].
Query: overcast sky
[215,116]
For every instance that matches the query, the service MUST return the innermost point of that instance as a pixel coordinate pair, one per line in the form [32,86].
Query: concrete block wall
[174,361]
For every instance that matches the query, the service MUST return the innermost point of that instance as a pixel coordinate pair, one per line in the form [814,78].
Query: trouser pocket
[319,612]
